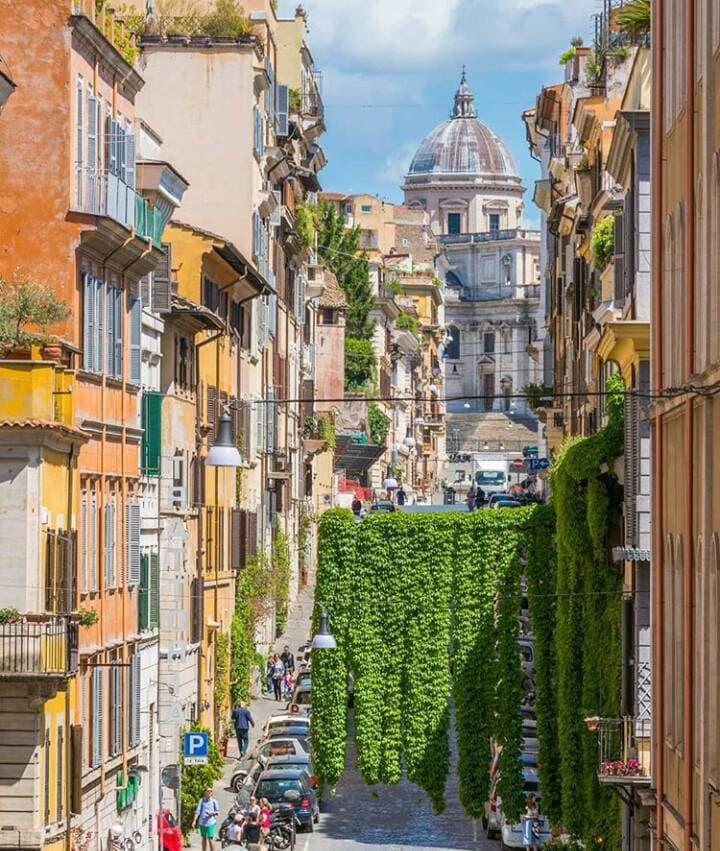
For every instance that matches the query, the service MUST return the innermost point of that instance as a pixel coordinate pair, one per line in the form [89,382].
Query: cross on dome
[464,99]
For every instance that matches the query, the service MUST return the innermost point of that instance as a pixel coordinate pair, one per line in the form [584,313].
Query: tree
[197,778]
[339,249]
[24,303]
[359,363]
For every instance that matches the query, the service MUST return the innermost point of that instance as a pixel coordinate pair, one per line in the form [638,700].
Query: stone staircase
[470,432]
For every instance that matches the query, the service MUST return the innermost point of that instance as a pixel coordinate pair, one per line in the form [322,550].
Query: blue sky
[391,67]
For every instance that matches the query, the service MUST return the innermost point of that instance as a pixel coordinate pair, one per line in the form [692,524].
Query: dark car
[304,678]
[286,762]
[275,784]
[382,505]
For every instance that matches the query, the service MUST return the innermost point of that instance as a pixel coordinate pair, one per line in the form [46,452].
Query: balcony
[41,646]
[625,748]
[106,194]
[485,236]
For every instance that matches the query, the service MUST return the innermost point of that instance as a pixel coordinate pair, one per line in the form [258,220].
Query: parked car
[301,700]
[512,833]
[493,818]
[506,503]
[527,653]
[382,505]
[285,719]
[280,746]
[528,759]
[292,731]
[274,784]
[293,761]
[170,835]
[303,677]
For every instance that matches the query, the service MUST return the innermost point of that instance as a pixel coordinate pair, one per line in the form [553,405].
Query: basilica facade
[464,177]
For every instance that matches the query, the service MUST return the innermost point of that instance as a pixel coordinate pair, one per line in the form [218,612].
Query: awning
[630,554]
[356,458]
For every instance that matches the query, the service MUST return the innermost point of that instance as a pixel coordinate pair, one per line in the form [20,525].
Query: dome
[462,145]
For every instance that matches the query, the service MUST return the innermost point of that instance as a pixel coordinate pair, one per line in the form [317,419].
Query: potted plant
[86,617]
[24,305]
[9,615]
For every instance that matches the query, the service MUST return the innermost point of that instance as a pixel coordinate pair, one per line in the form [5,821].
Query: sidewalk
[296,634]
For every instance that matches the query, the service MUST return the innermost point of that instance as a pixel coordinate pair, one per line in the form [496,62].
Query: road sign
[195,748]
[530,452]
[538,464]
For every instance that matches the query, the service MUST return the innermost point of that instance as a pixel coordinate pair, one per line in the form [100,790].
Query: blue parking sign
[195,748]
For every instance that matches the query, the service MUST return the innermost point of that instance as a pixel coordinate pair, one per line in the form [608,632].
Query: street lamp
[409,440]
[323,638]
[432,388]
[224,452]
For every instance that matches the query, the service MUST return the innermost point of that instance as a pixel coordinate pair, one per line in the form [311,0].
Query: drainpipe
[69,767]
[688,547]
[658,658]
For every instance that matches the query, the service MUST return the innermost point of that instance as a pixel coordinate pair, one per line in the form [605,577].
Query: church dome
[462,145]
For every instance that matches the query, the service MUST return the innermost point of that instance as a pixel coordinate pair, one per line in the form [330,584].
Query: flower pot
[17,353]
[52,351]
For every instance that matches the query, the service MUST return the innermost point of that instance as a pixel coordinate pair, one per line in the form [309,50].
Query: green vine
[197,778]
[281,579]
[220,688]
[378,423]
[602,241]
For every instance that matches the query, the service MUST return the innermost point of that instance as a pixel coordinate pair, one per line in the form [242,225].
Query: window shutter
[135,698]
[91,201]
[110,330]
[145,292]
[132,532]
[121,153]
[281,120]
[270,420]
[162,282]
[93,521]
[272,314]
[238,521]
[110,136]
[79,140]
[88,322]
[619,255]
[97,716]
[152,433]
[130,160]
[154,590]
[144,593]
[135,339]
[99,326]
[84,541]
[107,541]
[118,360]
[116,716]
[259,426]
[212,413]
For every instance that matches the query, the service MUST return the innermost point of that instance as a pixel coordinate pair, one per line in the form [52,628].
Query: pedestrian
[269,673]
[206,814]
[234,831]
[356,507]
[265,816]
[531,825]
[479,498]
[470,499]
[252,834]
[288,659]
[278,671]
[401,496]
[288,683]
[243,721]
[252,811]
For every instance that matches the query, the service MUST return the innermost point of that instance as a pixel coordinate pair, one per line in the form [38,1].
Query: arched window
[452,344]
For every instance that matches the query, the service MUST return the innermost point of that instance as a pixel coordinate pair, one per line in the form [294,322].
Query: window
[79,141]
[46,774]
[116,709]
[237,317]
[59,762]
[494,221]
[452,344]
[135,311]
[132,542]
[211,294]
[110,542]
[151,423]
[135,699]
[454,223]
[327,316]
[405,243]
[184,363]
[96,717]
[489,343]
[366,208]
[113,338]
[258,132]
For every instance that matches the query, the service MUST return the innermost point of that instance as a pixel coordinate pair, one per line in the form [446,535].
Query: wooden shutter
[619,255]
[152,432]
[135,699]
[130,160]
[198,464]
[109,330]
[91,201]
[79,143]
[197,590]
[132,532]
[212,412]
[84,541]
[144,593]
[99,339]
[145,292]
[116,713]
[97,716]
[92,550]
[281,117]
[118,359]
[107,544]
[252,534]
[221,565]
[238,535]
[162,282]
[88,321]
[154,590]
[135,339]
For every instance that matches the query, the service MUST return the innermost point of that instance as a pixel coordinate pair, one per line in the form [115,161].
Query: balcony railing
[485,236]
[38,646]
[312,102]
[624,745]
[106,194]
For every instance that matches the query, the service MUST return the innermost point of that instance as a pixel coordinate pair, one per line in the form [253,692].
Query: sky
[390,69]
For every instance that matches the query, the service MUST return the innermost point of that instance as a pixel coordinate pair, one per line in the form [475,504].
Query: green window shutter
[152,434]
[143,595]
[154,590]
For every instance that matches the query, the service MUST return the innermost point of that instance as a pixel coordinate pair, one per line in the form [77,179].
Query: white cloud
[396,164]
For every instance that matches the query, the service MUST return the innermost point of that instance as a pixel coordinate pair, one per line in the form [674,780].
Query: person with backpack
[278,672]
[288,659]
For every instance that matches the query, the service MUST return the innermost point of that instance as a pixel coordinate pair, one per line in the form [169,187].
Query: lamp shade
[224,452]
[409,440]
[432,388]
[390,483]
[323,638]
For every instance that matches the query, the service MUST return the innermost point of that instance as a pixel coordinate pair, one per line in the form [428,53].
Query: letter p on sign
[195,748]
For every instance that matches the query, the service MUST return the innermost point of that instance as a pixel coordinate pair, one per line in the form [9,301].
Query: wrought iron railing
[38,646]
[624,746]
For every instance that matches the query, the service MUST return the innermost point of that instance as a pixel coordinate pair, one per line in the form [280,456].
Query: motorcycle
[283,827]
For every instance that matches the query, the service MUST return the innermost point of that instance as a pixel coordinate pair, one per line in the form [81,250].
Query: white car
[284,719]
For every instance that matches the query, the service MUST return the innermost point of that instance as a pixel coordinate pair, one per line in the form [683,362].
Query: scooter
[283,827]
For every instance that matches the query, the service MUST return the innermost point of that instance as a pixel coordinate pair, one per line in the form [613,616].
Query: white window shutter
[135,697]
[93,520]
[107,542]
[275,217]
[135,339]
[109,330]
[259,426]
[272,314]
[97,716]
[282,123]
[132,533]
[130,160]
[91,202]
[79,144]
[84,541]
[118,334]
[116,708]
[88,322]
[99,341]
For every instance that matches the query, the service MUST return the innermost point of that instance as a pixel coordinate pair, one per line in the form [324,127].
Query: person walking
[356,507]
[278,671]
[470,499]
[206,814]
[288,659]
[531,825]
[243,721]
[401,496]
[252,834]
[265,816]
[479,498]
